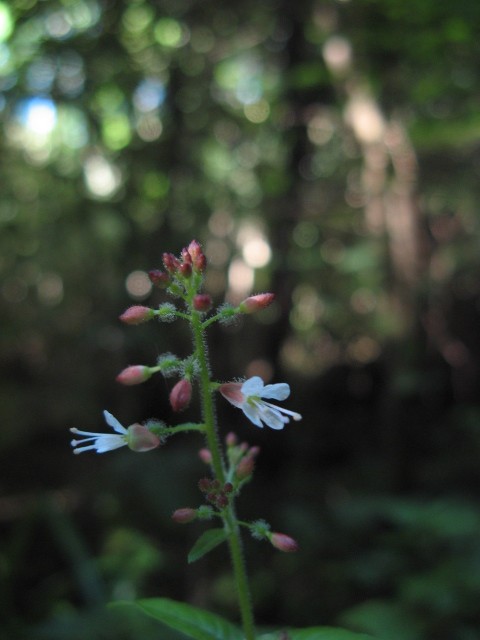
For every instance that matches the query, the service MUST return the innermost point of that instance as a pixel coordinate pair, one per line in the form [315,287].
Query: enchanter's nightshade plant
[230,467]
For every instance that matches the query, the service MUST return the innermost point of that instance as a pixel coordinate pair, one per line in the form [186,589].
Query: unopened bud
[202,302]
[137,314]
[205,455]
[135,374]
[283,542]
[221,501]
[231,439]
[256,303]
[199,260]
[228,487]
[170,262]
[159,278]
[180,395]
[245,468]
[204,484]
[186,257]
[185,269]
[140,439]
[182,516]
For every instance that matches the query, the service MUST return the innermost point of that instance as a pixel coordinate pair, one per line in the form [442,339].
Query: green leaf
[207,541]
[318,633]
[193,622]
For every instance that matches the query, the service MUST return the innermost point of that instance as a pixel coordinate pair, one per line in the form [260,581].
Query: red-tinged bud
[159,278]
[256,303]
[140,439]
[205,455]
[199,260]
[202,302]
[253,452]
[170,262]
[134,375]
[231,439]
[137,314]
[222,501]
[283,542]
[185,269]
[245,468]
[228,487]
[186,257]
[185,515]
[204,484]
[180,395]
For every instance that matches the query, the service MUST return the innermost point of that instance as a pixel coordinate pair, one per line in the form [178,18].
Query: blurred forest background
[326,150]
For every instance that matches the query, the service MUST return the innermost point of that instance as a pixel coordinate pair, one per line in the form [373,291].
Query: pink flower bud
[186,257]
[205,456]
[283,542]
[141,439]
[137,314]
[256,303]
[185,269]
[231,439]
[245,468]
[180,395]
[202,302]
[253,452]
[159,278]
[170,262]
[182,516]
[228,487]
[199,260]
[134,375]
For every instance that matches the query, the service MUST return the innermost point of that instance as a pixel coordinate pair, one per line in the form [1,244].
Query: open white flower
[249,396]
[137,437]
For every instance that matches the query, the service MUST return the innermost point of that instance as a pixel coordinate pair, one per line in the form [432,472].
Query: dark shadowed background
[324,150]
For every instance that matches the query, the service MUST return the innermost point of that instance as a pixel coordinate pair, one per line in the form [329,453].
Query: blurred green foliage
[326,150]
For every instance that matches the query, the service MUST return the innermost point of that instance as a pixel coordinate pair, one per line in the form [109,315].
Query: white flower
[137,437]
[249,396]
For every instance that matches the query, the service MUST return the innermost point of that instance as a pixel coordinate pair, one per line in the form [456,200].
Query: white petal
[279,391]
[253,387]
[272,418]
[109,443]
[252,413]
[113,422]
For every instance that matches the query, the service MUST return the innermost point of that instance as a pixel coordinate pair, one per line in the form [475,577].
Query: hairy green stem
[230,521]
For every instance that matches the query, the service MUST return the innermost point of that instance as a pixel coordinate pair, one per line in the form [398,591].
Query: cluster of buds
[192,260]
[241,457]
[215,493]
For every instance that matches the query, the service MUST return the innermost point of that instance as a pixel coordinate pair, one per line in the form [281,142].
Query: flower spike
[250,395]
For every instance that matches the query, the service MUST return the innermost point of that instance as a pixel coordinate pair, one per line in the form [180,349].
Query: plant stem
[230,521]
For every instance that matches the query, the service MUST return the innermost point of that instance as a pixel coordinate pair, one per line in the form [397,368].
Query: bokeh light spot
[138,285]
[257,112]
[38,115]
[6,22]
